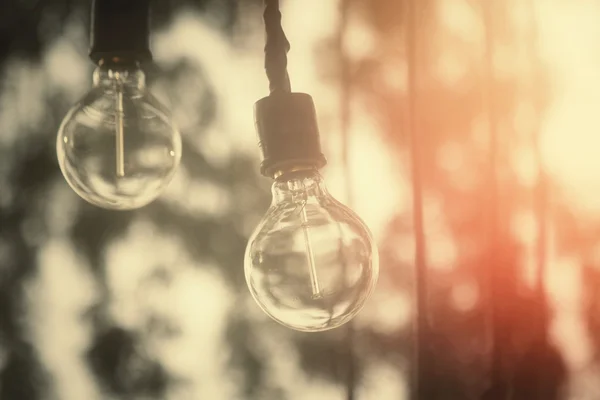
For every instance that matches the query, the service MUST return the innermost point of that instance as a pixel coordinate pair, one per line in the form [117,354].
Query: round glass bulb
[311,263]
[117,147]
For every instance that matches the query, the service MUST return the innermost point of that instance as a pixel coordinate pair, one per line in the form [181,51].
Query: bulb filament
[119,128]
[314,280]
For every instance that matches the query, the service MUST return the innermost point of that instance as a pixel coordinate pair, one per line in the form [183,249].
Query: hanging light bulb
[311,263]
[117,148]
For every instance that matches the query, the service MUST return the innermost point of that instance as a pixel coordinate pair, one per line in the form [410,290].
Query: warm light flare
[571,129]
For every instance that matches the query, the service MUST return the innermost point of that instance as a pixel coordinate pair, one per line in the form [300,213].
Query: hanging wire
[550,371]
[346,94]
[422,367]
[500,388]
[541,196]
[276,49]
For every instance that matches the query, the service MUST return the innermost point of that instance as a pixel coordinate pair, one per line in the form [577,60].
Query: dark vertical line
[541,195]
[346,93]
[546,373]
[422,367]
[498,385]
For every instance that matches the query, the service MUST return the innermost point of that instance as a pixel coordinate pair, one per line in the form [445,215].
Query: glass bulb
[311,263]
[117,147]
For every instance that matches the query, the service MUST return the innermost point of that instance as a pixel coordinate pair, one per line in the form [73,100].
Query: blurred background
[495,101]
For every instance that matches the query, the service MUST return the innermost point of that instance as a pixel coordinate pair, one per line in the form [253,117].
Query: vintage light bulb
[117,147]
[311,263]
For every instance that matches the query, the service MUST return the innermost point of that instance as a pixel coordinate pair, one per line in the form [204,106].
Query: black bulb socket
[120,32]
[288,133]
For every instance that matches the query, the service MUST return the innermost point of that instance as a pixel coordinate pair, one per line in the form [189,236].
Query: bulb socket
[120,32]
[288,133]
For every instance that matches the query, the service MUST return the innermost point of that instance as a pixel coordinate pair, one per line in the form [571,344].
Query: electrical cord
[276,49]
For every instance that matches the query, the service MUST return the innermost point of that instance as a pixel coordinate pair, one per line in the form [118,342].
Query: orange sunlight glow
[571,131]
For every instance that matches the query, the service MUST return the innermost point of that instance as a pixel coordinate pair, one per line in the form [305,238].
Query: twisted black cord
[276,49]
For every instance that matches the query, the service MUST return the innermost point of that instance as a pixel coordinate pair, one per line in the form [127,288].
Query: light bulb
[311,263]
[117,148]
